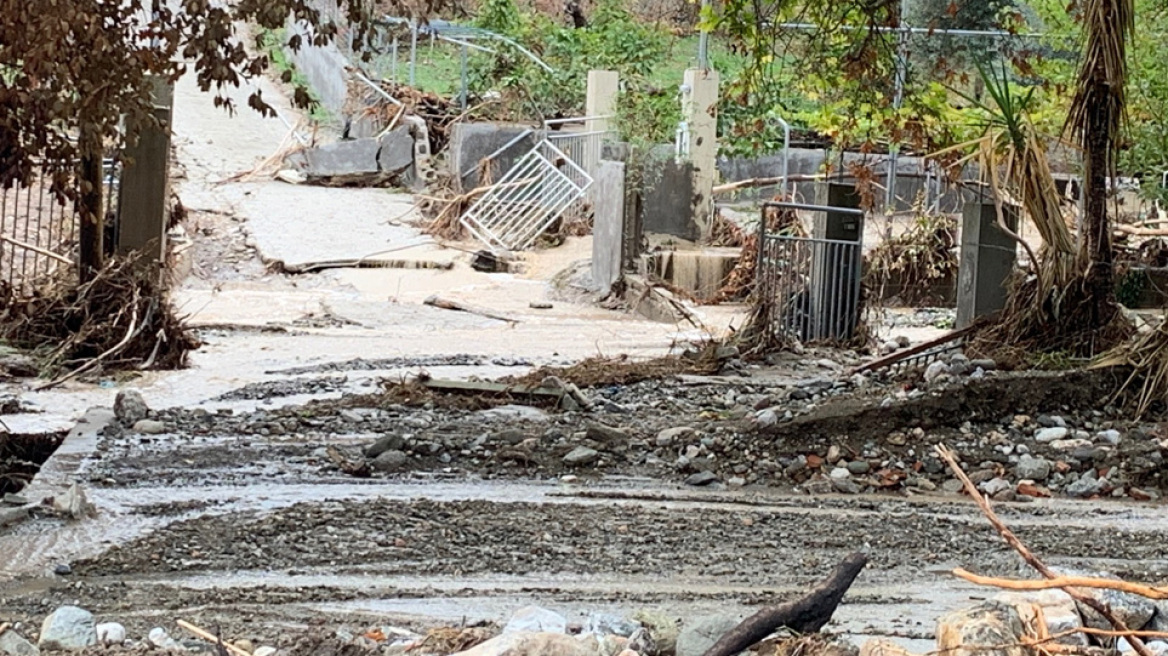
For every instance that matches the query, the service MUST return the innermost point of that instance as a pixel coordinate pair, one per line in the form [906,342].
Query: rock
[603,624]
[985,364]
[995,485]
[11,499]
[882,647]
[581,456]
[1133,610]
[663,630]
[110,633]
[606,434]
[766,417]
[903,341]
[385,443]
[533,619]
[671,435]
[736,481]
[245,644]
[1111,437]
[991,628]
[952,486]
[701,478]
[19,365]
[397,150]
[74,504]
[12,644]
[130,408]
[859,467]
[68,627]
[845,486]
[1031,468]
[889,347]
[700,634]
[63,569]
[1058,609]
[1071,444]
[935,370]
[159,638]
[840,473]
[149,427]
[1049,421]
[536,644]
[1088,485]
[520,412]
[391,461]
[1047,435]
[265,650]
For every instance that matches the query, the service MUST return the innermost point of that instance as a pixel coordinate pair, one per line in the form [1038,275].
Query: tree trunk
[89,203]
[1095,228]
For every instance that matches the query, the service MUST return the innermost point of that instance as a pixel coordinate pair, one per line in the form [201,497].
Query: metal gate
[532,195]
[810,287]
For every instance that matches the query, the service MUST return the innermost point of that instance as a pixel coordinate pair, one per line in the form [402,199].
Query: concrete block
[471,142]
[397,150]
[666,195]
[608,225]
[357,157]
[987,260]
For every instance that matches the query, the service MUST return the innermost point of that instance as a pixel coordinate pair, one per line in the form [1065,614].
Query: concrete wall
[324,68]
[667,190]
[608,225]
[471,142]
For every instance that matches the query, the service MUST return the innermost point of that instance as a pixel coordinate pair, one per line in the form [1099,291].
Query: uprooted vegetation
[912,265]
[120,319]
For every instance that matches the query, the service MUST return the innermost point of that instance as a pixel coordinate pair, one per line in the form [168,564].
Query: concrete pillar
[699,109]
[608,223]
[142,194]
[603,89]
[987,260]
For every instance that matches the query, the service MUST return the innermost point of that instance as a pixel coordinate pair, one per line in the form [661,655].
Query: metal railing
[39,232]
[584,147]
[809,287]
[533,194]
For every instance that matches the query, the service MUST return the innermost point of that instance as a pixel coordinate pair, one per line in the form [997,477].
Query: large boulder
[12,644]
[533,619]
[68,627]
[536,644]
[698,635]
[1058,610]
[130,408]
[991,628]
[1133,610]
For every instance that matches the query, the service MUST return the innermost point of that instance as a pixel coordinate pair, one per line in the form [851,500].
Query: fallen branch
[762,182]
[1062,582]
[37,249]
[807,614]
[1141,232]
[310,267]
[445,304]
[4,627]
[131,332]
[905,354]
[206,635]
[1028,556]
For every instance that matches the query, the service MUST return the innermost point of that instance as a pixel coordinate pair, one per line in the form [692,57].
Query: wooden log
[807,614]
[447,304]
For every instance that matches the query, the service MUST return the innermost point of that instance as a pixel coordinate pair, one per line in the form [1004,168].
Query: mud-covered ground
[688,495]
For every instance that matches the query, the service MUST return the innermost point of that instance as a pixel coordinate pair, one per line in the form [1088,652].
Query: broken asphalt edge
[60,471]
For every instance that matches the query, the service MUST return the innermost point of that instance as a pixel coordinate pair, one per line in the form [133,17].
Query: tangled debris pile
[119,319]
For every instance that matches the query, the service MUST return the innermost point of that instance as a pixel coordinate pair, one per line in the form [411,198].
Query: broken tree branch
[4,627]
[1064,581]
[37,249]
[209,637]
[446,304]
[807,614]
[1141,232]
[949,457]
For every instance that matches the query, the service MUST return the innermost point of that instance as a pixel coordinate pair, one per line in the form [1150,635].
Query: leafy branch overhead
[73,71]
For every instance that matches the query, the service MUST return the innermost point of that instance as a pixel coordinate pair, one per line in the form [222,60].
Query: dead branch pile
[120,319]
[740,283]
[1146,387]
[916,260]
[438,112]
[725,232]
[602,371]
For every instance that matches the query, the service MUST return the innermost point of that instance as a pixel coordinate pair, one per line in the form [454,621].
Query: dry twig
[1064,581]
